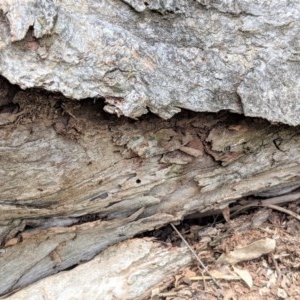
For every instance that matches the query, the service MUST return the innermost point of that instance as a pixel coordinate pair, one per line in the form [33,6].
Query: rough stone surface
[204,55]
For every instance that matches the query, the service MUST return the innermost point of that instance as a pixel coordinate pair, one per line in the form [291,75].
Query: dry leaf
[11,242]
[249,252]
[226,213]
[189,273]
[281,293]
[245,276]
[177,278]
[225,274]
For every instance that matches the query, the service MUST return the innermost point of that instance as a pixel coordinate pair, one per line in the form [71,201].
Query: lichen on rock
[158,56]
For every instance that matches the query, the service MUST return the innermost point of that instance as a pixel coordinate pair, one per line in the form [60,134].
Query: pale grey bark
[75,181]
[142,265]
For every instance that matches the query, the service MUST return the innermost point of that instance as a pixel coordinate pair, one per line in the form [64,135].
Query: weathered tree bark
[141,265]
[76,180]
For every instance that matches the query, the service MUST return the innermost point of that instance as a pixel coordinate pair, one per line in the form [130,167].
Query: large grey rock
[204,55]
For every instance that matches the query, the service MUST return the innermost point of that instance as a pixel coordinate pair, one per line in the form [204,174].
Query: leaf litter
[251,256]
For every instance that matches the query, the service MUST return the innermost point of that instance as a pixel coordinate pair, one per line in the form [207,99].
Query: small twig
[234,210]
[275,207]
[168,294]
[270,202]
[282,199]
[276,266]
[203,279]
[196,256]
[281,209]
[191,249]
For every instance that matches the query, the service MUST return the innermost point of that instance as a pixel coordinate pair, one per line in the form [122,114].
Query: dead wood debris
[268,239]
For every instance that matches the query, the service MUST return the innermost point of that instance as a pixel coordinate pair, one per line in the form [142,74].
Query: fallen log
[76,180]
[142,265]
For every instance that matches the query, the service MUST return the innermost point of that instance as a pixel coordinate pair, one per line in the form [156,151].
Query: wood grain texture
[142,265]
[75,180]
